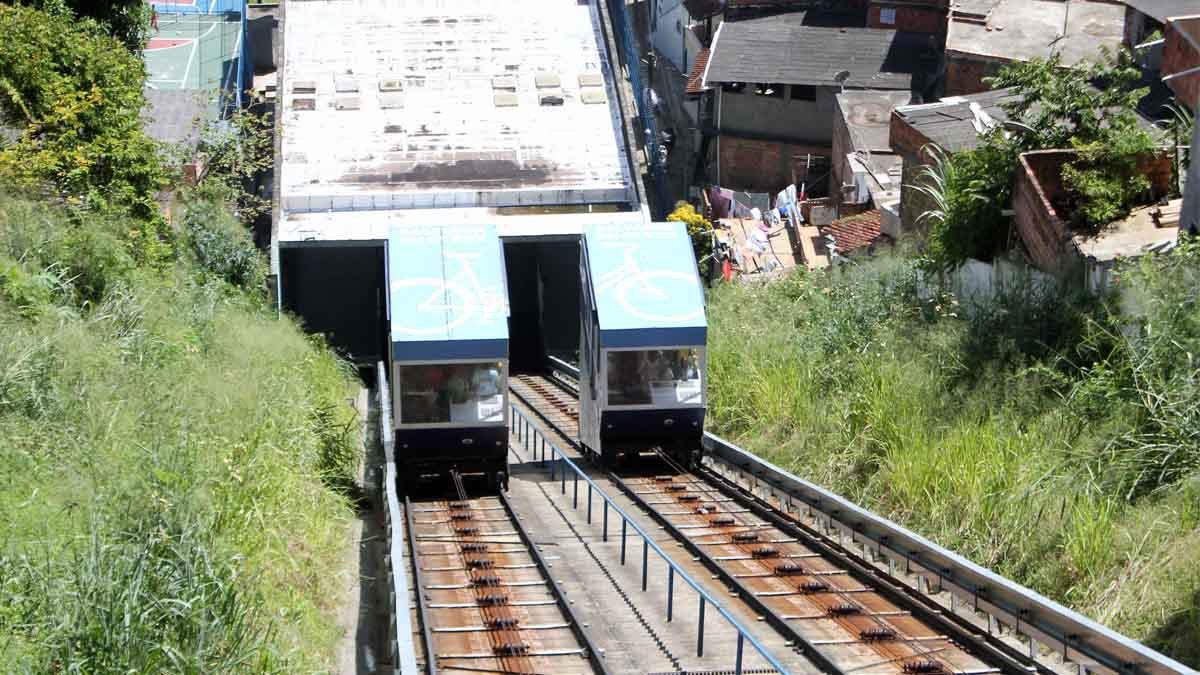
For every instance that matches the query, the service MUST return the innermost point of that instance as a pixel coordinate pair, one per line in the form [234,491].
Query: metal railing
[1040,619]
[561,467]
[400,634]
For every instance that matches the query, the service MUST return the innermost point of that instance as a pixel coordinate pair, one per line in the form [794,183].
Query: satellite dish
[841,76]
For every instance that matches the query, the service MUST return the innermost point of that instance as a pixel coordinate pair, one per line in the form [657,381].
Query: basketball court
[194,50]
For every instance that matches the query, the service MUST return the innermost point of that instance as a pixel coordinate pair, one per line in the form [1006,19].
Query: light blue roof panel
[645,283]
[446,292]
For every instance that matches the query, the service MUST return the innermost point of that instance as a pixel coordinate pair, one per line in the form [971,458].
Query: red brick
[931,19]
[762,166]
[1179,55]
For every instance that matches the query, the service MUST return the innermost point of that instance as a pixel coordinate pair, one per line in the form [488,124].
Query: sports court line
[163,44]
[195,46]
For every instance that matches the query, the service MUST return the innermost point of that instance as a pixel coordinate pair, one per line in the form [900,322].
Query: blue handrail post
[737,667]
[624,529]
[670,593]
[645,556]
[700,631]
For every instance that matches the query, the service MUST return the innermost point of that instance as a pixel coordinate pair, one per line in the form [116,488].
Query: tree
[1091,109]
[76,97]
[125,20]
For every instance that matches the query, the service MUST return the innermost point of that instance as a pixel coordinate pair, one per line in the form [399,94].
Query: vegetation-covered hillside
[172,452]
[1052,439]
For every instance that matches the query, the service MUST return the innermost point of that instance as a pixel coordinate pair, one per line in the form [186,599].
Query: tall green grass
[1046,436]
[169,457]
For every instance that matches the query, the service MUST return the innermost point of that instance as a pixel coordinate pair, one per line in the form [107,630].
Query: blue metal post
[700,632]
[737,668]
[624,530]
[670,593]
[645,555]
[575,492]
[604,530]
[589,515]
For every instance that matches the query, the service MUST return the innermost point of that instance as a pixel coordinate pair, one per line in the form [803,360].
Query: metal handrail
[559,458]
[1075,636]
[401,649]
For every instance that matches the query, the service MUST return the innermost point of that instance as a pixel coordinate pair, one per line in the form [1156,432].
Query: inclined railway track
[841,612]
[486,603]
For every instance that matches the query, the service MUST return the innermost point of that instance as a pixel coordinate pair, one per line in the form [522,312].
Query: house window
[804,92]
[887,16]
[772,89]
[733,87]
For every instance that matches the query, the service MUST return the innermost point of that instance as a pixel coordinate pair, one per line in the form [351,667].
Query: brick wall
[965,73]
[930,19]
[1179,55]
[904,139]
[762,166]
[1037,184]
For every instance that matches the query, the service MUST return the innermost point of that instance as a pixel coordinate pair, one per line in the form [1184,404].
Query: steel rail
[1003,656]
[581,633]
[400,639]
[1074,636]
[559,465]
[418,581]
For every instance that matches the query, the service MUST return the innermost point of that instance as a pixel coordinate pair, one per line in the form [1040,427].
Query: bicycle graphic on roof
[661,295]
[461,299]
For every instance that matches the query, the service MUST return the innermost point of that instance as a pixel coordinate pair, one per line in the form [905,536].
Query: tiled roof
[695,81]
[854,232]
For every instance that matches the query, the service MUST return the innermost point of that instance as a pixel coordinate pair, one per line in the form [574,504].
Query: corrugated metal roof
[789,50]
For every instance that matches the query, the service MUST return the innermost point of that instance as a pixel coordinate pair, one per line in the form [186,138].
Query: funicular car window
[660,377]
[457,393]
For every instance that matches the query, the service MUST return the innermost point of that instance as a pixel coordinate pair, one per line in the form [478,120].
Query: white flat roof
[347,227]
[397,104]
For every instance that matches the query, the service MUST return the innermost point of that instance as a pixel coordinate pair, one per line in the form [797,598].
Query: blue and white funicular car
[642,342]
[449,333]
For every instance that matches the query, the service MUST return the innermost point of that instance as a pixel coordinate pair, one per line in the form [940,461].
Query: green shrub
[1051,438]
[222,245]
[167,447]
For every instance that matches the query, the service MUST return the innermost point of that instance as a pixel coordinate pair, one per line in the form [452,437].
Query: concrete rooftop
[1019,30]
[398,104]
[330,228]
[1136,235]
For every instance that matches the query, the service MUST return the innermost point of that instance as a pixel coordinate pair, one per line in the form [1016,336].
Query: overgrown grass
[167,446]
[1047,437]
